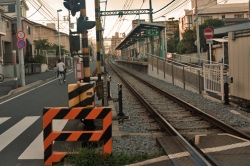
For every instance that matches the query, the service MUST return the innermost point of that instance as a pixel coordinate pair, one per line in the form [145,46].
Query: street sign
[208,33]
[21,43]
[79,71]
[20,34]
[152,32]
[208,41]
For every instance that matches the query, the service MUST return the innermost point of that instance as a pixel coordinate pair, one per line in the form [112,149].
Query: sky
[38,13]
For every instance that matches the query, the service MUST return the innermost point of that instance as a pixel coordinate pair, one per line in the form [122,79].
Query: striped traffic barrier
[81,95]
[89,113]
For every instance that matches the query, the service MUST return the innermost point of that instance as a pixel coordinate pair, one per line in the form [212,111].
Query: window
[11,8]
[239,16]
[223,16]
[189,22]
[28,30]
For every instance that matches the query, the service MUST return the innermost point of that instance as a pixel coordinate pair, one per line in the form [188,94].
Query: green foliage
[187,46]
[42,44]
[94,158]
[37,59]
[173,42]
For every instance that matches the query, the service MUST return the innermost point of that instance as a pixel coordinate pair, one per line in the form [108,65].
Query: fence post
[226,91]
[120,100]
[183,69]
[172,72]
[199,81]
[108,83]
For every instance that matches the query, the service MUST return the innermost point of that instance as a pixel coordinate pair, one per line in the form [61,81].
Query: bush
[37,59]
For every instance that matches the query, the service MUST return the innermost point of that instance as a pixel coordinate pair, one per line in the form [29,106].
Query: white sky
[110,26]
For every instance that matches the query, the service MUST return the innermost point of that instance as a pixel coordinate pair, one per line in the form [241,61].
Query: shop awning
[139,32]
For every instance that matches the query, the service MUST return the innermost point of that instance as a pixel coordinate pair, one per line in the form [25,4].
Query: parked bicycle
[1,78]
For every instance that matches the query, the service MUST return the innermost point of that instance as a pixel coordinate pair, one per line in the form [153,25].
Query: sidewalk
[8,84]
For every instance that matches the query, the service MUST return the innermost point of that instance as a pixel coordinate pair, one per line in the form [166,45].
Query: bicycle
[60,77]
[1,78]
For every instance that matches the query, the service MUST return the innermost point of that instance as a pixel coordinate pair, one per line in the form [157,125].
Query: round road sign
[20,34]
[208,33]
[21,43]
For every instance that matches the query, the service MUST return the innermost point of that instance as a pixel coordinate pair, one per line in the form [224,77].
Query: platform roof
[139,32]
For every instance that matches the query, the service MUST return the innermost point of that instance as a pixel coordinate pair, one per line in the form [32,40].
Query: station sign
[152,32]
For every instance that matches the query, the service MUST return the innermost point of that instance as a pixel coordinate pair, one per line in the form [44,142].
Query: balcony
[2,28]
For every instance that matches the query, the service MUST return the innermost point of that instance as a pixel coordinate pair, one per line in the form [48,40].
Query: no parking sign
[21,43]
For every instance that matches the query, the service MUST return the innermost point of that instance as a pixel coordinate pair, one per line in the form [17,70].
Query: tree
[186,45]
[172,42]
[42,44]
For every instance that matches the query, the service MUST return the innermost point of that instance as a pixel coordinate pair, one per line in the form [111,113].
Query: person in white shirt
[61,68]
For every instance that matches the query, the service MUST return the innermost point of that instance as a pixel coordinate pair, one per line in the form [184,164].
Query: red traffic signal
[72,5]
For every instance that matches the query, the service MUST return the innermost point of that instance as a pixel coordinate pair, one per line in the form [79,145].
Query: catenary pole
[197,33]
[20,50]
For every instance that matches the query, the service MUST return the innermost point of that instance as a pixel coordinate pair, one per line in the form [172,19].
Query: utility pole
[197,33]
[20,50]
[151,21]
[249,9]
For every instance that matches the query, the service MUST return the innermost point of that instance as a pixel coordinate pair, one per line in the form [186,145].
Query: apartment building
[33,31]
[209,9]
[115,41]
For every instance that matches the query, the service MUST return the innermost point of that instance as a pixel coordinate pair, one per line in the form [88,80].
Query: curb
[22,88]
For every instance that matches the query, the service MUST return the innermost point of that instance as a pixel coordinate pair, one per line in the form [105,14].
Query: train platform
[224,149]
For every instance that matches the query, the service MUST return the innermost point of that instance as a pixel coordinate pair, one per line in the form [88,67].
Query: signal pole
[20,50]
[85,48]
[89,124]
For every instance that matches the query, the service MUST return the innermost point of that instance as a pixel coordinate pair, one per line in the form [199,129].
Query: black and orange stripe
[104,135]
[81,95]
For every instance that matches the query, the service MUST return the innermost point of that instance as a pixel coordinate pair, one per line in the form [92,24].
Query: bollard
[120,100]
[108,83]
[226,91]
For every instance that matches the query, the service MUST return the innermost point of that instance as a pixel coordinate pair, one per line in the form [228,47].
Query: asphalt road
[21,139]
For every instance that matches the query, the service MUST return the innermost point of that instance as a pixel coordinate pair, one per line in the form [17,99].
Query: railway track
[181,120]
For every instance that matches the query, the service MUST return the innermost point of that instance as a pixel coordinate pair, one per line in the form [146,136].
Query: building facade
[115,41]
[229,13]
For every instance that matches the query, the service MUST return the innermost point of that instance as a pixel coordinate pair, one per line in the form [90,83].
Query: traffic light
[72,5]
[84,24]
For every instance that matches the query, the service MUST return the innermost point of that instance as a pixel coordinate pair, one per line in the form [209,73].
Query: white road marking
[35,149]
[29,90]
[13,132]
[4,119]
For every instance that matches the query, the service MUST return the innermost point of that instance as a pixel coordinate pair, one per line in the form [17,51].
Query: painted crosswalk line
[35,149]
[8,136]
[4,119]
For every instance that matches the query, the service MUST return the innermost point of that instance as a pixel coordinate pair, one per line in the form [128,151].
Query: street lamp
[165,37]
[59,32]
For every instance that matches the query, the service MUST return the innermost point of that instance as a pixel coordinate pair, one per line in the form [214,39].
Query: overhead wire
[118,29]
[135,17]
[44,13]
[117,20]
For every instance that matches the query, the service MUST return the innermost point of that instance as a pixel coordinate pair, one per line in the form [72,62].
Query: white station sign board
[79,71]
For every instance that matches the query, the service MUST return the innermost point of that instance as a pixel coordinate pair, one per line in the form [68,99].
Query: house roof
[139,32]
[232,28]
[13,2]
[225,8]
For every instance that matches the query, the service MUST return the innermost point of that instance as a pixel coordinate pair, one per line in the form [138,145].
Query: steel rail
[167,126]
